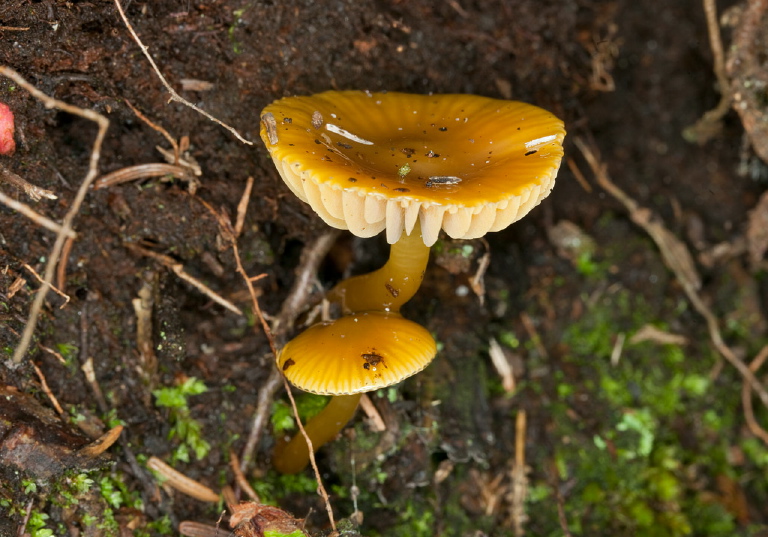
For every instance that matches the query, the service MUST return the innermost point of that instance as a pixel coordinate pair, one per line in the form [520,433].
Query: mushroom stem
[292,457]
[391,286]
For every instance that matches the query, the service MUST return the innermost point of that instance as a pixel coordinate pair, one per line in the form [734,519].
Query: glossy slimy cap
[373,161]
[356,353]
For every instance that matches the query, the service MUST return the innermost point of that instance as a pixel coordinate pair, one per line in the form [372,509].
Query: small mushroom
[349,356]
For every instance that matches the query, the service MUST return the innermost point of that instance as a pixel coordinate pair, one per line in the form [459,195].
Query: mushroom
[346,357]
[411,165]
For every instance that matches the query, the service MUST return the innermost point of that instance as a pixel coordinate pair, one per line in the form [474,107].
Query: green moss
[658,430]
[186,429]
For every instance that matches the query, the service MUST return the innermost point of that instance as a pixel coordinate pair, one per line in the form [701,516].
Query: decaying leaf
[256,520]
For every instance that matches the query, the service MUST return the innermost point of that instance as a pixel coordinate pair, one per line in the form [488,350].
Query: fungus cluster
[411,166]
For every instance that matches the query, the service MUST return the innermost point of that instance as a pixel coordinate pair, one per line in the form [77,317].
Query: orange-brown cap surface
[373,161]
[357,353]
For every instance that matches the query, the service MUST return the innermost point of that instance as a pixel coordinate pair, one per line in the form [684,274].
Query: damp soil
[631,76]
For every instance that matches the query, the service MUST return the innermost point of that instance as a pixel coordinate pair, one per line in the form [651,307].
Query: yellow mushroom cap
[373,161]
[357,353]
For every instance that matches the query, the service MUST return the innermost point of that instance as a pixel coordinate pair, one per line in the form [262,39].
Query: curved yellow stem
[385,289]
[391,286]
[293,457]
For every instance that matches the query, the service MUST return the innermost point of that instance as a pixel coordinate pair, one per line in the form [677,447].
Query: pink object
[7,143]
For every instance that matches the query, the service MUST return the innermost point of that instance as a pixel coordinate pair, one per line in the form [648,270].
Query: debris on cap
[357,353]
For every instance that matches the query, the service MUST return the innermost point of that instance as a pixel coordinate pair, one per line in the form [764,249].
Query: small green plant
[30,487]
[117,494]
[36,525]
[183,427]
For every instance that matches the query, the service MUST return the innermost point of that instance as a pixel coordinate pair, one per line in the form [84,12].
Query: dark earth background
[630,75]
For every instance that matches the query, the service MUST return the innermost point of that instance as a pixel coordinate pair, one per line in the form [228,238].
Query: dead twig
[90,376]
[142,171]
[54,353]
[502,365]
[182,483]
[23,526]
[651,333]
[15,287]
[174,96]
[53,288]
[677,258]
[189,528]
[618,348]
[583,183]
[66,225]
[260,418]
[47,391]
[61,270]
[519,477]
[375,420]
[710,124]
[36,217]
[296,301]
[143,306]
[178,269]
[240,479]
[242,207]
[312,460]
[477,281]
[533,334]
[158,128]
[103,443]
[746,398]
[34,192]
[716,44]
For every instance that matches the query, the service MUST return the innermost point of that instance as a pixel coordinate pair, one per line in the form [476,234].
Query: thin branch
[178,269]
[47,391]
[143,171]
[311,257]
[55,290]
[242,207]
[174,96]
[66,231]
[716,44]
[746,398]
[710,123]
[182,483]
[22,530]
[267,393]
[61,271]
[157,128]
[36,217]
[240,478]
[312,460]
[519,477]
[33,191]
